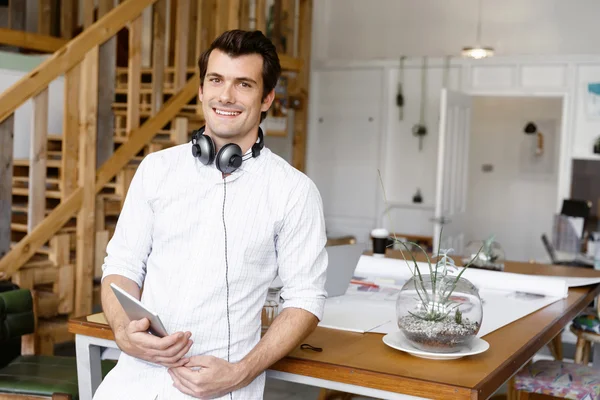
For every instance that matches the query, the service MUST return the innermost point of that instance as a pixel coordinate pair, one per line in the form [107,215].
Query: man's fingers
[175,359]
[180,386]
[202,361]
[175,348]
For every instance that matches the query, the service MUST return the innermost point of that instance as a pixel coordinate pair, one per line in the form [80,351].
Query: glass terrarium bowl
[490,257]
[433,321]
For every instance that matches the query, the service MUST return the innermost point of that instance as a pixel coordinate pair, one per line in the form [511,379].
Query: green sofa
[30,376]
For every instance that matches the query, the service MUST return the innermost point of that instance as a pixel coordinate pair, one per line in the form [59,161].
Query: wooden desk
[363,364]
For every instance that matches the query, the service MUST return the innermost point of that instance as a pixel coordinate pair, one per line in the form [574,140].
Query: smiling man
[205,229]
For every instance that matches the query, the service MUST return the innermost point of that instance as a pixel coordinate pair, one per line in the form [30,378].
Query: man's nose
[227,95]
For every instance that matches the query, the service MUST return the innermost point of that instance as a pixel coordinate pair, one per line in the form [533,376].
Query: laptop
[340,269]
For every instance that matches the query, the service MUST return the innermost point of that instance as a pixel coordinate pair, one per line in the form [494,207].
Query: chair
[556,380]
[31,377]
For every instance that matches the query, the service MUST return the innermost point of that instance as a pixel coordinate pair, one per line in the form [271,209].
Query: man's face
[232,95]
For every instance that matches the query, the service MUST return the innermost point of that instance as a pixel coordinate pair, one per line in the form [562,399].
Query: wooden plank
[106,92]
[6,172]
[68,18]
[71,54]
[36,209]
[245,15]
[44,12]
[233,15]
[88,13]
[64,287]
[31,41]
[200,28]
[158,54]
[180,132]
[301,114]
[102,238]
[86,221]
[17,14]
[172,31]
[288,14]
[134,74]
[60,215]
[276,33]
[70,137]
[181,39]
[192,28]
[260,16]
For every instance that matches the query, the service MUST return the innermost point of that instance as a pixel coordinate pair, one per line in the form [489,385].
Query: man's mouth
[226,113]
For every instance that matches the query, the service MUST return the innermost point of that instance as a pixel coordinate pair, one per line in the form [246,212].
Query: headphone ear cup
[204,149]
[229,158]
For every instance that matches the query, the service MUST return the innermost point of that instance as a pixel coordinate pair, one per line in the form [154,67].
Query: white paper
[482,279]
[506,297]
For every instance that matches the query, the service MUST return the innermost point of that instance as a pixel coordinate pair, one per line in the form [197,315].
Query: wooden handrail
[31,41]
[19,255]
[70,55]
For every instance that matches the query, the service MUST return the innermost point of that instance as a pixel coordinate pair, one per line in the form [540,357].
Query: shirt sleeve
[130,246]
[301,254]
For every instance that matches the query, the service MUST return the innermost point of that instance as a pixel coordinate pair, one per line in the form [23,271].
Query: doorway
[514,168]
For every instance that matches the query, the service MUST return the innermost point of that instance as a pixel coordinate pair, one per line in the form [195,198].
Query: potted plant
[437,310]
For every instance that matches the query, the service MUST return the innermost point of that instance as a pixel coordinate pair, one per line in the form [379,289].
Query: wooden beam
[260,16]
[245,15]
[88,13]
[31,41]
[107,73]
[68,18]
[192,28]
[19,254]
[233,15]
[69,55]
[276,33]
[7,129]
[44,13]
[70,137]
[134,74]
[181,39]
[158,54]
[86,220]
[200,28]
[301,115]
[17,12]
[36,206]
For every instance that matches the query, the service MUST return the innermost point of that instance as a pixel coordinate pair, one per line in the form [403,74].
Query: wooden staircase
[52,249]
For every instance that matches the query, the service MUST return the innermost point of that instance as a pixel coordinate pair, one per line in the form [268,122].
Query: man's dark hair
[238,43]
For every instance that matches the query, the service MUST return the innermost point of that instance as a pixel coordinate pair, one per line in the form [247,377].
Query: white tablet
[135,310]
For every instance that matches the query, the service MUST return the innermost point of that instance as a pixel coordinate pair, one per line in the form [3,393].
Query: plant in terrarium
[437,309]
[491,256]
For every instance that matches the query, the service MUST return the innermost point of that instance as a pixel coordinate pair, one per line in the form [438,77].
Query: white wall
[24,114]
[384,29]
[516,200]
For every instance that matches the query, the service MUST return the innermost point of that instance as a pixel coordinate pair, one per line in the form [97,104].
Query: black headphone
[229,158]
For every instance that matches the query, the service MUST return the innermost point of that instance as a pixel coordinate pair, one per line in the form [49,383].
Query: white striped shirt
[170,238]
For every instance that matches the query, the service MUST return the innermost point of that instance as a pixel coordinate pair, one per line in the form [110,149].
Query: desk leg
[89,367]
[596,359]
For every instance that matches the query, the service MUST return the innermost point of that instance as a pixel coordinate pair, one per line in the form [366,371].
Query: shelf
[411,206]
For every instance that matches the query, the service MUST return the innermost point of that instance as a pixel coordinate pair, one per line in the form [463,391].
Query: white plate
[396,340]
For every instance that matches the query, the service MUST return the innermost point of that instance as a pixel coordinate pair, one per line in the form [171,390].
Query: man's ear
[200,94]
[266,103]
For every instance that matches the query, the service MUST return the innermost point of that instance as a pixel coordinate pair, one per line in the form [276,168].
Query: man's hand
[167,351]
[214,377]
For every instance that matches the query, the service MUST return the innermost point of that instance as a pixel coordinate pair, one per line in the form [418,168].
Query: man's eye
[245,85]
[215,80]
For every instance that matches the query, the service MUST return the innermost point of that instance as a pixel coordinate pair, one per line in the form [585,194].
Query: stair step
[25,180]
[24,162]
[53,194]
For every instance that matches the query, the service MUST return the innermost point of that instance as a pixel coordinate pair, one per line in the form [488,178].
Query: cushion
[560,379]
[587,321]
[43,375]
